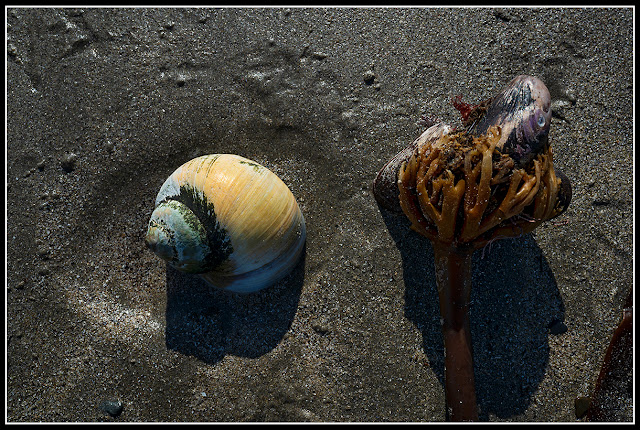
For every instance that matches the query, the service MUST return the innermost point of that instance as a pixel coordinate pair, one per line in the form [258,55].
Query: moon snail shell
[230,220]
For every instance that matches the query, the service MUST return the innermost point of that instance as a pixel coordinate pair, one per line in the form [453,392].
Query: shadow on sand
[514,300]
[208,323]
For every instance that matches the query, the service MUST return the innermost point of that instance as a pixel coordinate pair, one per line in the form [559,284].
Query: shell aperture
[230,220]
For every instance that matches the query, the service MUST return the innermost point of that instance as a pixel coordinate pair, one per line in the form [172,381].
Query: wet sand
[103,104]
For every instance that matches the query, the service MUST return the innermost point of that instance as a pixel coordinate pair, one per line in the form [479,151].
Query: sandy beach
[104,104]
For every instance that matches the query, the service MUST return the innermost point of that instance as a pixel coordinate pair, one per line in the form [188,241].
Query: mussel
[523,113]
[516,120]
[229,220]
[464,187]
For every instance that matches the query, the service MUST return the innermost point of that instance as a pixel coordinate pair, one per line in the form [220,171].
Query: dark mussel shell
[385,185]
[523,111]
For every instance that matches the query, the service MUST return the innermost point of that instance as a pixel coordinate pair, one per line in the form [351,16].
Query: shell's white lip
[170,189]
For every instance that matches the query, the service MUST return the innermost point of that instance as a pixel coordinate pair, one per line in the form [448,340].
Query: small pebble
[502,15]
[112,407]
[12,50]
[68,163]
[369,76]
[581,406]
[109,146]
[601,201]
[43,253]
[557,327]
[321,327]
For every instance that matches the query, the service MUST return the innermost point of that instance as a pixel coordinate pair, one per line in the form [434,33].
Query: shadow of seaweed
[208,323]
[513,301]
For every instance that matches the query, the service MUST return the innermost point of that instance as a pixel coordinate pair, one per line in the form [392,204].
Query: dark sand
[353,334]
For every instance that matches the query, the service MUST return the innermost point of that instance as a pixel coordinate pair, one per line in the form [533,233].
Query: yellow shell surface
[257,211]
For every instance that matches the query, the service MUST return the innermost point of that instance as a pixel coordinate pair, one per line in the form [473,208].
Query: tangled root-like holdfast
[457,189]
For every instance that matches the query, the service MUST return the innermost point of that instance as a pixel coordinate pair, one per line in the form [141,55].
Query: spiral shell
[229,220]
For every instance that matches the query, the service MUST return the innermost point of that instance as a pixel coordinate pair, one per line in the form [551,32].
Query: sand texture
[103,104]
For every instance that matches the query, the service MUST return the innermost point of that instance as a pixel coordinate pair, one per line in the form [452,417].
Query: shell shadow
[514,300]
[208,323]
